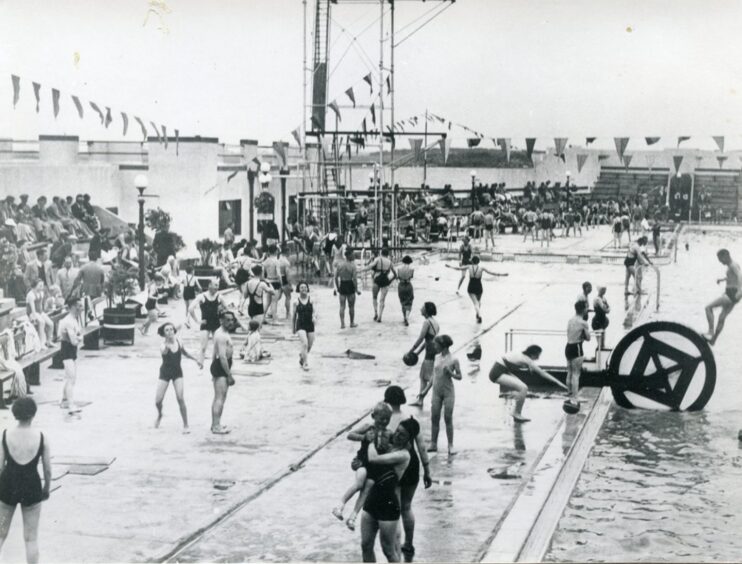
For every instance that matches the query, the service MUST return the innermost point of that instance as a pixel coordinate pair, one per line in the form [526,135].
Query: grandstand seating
[723,186]
[619,183]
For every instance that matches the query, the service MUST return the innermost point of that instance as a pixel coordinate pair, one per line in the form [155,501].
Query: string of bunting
[105,117]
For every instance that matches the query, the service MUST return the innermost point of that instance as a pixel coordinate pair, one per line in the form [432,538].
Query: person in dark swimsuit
[730,298]
[395,397]
[405,291]
[256,290]
[427,335]
[634,261]
[465,254]
[170,371]
[382,511]
[346,282]
[190,288]
[154,292]
[221,371]
[23,446]
[474,289]
[600,320]
[384,273]
[304,319]
[209,303]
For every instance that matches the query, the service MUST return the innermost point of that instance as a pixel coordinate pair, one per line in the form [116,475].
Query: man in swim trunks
[578,331]
[634,261]
[489,228]
[529,225]
[346,282]
[507,372]
[221,371]
[70,335]
[730,298]
[272,276]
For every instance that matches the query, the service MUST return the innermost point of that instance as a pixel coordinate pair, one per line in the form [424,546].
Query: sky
[232,69]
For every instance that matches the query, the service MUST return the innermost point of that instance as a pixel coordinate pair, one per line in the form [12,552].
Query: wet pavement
[264,492]
[665,486]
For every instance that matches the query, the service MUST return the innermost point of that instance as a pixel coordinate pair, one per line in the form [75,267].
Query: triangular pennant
[334,107]
[719,142]
[280,150]
[721,159]
[627,160]
[108,119]
[677,161]
[473,141]
[681,139]
[157,131]
[78,105]
[177,141]
[621,143]
[564,158]
[530,144]
[297,135]
[445,144]
[97,110]
[388,84]
[504,143]
[560,143]
[581,159]
[589,140]
[450,124]
[373,113]
[363,126]
[650,161]
[16,80]
[164,136]
[651,140]
[416,145]
[351,95]
[144,129]
[495,142]
[367,78]
[125,120]
[55,102]
[37,94]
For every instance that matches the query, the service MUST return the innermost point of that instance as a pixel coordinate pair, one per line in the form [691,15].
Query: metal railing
[599,337]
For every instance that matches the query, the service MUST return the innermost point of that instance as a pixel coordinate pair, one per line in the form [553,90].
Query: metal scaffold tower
[323,161]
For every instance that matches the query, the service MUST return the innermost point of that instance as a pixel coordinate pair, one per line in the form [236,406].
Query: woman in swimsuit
[474,289]
[304,319]
[600,319]
[382,267]
[208,302]
[190,288]
[347,287]
[465,253]
[381,512]
[447,368]
[23,446]
[170,371]
[405,291]
[395,397]
[256,288]
[428,332]
[154,292]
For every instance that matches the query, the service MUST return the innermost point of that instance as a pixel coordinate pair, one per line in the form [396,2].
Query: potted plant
[165,242]
[206,248]
[118,319]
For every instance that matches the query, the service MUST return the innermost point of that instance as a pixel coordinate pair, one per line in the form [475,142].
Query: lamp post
[474,199]
[140,182]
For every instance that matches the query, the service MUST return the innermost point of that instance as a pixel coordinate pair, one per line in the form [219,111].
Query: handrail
[599,335]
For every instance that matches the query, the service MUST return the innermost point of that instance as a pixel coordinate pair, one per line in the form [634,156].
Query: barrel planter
[118,325]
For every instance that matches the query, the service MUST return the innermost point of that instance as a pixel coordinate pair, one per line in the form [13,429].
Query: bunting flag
[108,119]
[97,110]
[280,150]
[177,141]
[297,135]
[78,105]
[157,131]
[649,158]
[334,107]
[560,143]
[144,129]
[719,142]
[721,159]
[367,78]
[450,124]
[627,161]
[651,140]
[164,135]
[445,144]
[55,102]
[494,142]
[504,143]
[473,141]
[231,176]
[589,140]
[125,120]
[581,158]
[416,145]
[16,80]
[363,126]
[373,113]
[677,161]
[37,94]
[530,144]
[681,139]
[621,143]
[351,95]
[388,85]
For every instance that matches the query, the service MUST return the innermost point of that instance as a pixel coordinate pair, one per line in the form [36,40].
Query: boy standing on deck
[578,332]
